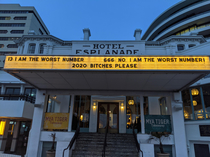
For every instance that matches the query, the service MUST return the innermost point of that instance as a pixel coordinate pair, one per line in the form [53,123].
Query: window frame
[30,49]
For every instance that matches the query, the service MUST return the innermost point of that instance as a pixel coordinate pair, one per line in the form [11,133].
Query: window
[12,92]
[30,92]
[180,47]
[58,104]
[12,46]
[20,18]
[206,97]
[1,45]
[5,18]
[12,24]
[3,31]
[187,105]
[163,106]
[201,150]
[191,45]
[16,31]
[133,113]
[197,104]
[81,112]
[8,38]
[31,49]
[41,48]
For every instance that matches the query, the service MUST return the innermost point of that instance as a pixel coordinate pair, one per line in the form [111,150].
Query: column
[142,114]
[37,48]
[178,125]
[71,113]
[3,138]
[25,51]
[15,135]
[2,89]
[35,132]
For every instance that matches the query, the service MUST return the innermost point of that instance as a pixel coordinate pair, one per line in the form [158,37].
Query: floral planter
[50,154]
[163,155]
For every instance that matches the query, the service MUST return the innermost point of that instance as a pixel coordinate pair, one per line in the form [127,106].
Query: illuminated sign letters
[108,63]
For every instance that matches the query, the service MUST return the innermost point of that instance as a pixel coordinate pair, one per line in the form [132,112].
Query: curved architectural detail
[181,19]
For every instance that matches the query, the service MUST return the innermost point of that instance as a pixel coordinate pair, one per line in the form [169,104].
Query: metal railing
[72,140]
[136,141]
[105,144]
[28,98]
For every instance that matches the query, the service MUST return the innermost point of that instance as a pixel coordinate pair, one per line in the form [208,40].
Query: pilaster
[178,125]
[35,132]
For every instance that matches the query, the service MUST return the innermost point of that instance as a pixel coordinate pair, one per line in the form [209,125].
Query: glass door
[108,115]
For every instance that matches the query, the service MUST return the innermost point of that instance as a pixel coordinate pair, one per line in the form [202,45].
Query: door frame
[108,105]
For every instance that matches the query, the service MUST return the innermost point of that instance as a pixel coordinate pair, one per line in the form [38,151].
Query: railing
[30,99]
[72,140]
[105,144]
[136,141]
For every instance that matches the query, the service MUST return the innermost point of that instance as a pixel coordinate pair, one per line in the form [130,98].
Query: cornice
[25,38]
[174,38]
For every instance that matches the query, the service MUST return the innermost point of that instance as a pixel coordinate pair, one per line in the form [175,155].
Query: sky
[107,20]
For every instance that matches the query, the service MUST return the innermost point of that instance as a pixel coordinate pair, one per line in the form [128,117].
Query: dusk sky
[107,20]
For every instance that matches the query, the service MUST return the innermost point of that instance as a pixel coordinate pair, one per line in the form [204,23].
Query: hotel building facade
[159,82]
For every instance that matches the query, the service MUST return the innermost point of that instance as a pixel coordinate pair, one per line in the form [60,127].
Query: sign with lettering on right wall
[157,123]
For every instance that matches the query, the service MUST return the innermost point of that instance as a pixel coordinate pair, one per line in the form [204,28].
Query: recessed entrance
[108,115]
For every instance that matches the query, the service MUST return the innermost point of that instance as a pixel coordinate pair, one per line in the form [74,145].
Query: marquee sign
[107,63]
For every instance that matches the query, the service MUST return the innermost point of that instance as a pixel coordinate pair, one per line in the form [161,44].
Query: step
[99,153]
[102,142]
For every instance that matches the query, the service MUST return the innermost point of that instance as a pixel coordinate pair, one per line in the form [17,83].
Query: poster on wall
[56,121]
[157,123]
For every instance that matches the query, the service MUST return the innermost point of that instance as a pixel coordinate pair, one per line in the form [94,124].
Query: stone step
[99,153]
[118,145]
[108,148]
[84,155]
[108,139]
[102,142]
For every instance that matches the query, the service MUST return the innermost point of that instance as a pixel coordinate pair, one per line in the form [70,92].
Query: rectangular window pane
[81,111]
[206,96]
[133,113]
[197,104]
[187,105]
[163,106]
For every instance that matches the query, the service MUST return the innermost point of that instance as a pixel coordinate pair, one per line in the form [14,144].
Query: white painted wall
[193,135]
[15,108]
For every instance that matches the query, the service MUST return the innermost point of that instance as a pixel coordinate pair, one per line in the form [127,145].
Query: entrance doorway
[108,115]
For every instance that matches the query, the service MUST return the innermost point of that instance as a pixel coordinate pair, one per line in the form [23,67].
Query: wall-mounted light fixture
[2,127]
[122,105]
[94,105]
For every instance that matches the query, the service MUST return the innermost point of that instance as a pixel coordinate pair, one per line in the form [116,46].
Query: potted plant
[160,136]
[51,152]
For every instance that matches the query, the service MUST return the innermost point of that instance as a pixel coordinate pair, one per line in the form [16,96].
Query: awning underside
[108,80]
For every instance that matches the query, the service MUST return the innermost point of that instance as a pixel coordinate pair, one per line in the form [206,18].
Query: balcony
[16,106]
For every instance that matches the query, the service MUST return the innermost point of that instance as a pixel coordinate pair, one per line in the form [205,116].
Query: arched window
[31,48]
[180,47]
[41,48]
